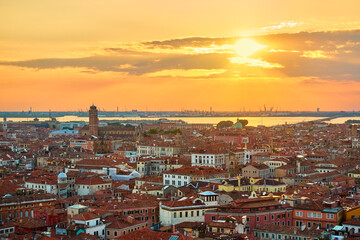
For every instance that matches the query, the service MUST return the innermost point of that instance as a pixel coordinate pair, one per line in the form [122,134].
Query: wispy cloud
[318,54]
[327,55]
[187,73]
[254,62]
[281,25]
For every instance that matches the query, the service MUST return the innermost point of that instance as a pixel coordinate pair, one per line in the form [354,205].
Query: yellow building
[352,213]
[355,173]
[252,184]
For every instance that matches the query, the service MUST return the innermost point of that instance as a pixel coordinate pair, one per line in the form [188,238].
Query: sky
[163,55]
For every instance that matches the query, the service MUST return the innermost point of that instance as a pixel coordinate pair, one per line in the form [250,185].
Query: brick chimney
[130,219]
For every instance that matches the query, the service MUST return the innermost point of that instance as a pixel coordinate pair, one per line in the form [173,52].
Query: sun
[245,47]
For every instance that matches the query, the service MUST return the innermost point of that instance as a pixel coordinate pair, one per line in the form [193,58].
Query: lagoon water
[253,121]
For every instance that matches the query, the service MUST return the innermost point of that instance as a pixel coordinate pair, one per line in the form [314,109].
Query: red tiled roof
[147,234]
[197,171]
[85,216]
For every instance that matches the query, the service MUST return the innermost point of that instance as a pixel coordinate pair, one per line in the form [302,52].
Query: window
[314,215]
[197,213]
[330,216]
[181,214]
[174,214]
[257,219]
[299,214]
[265,218]
[212,218]
[186,214]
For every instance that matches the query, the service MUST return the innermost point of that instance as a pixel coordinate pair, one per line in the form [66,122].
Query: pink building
[258,212]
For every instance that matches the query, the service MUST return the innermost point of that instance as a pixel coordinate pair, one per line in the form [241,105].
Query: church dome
[62,175]
[238,125]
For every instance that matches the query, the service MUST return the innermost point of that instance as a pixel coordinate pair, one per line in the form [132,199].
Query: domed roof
[238,125]
[62,175]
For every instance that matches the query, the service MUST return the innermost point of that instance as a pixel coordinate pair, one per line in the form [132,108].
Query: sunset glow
[245,47]
[179,55]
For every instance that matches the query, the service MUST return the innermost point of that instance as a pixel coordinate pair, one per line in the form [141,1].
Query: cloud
[254,62]
[289,24]
[328,55]
[317,54]
[187,73]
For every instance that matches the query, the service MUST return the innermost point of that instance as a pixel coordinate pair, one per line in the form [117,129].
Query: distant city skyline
[172,56]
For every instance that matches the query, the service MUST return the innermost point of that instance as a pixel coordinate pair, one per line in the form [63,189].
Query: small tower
[4,127]
[62,185]
[93,121]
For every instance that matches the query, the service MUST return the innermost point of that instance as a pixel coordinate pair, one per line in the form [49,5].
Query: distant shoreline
[352,121]
[174,114]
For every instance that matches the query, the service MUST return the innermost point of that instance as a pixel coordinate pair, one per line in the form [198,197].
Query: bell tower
[4,128]
[93,121]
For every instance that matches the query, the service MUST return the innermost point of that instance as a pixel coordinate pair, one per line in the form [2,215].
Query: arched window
[26,214]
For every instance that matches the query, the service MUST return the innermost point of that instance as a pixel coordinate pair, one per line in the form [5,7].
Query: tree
[244,122]
[153,131]
[224,124]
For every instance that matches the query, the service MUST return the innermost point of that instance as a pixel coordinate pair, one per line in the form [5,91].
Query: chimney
[239,181]
[298,166]
[130,219]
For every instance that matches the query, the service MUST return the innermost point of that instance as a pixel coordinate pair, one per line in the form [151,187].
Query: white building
[355,143]
[42,184]
[183,210]
[159,150]
[182,176]
[142,150]
[215,160]
[94,225]
[90,185]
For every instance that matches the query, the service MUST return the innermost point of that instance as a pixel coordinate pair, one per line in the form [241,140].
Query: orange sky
[177,55]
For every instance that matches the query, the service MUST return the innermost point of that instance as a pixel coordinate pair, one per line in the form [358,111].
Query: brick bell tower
[93,121]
